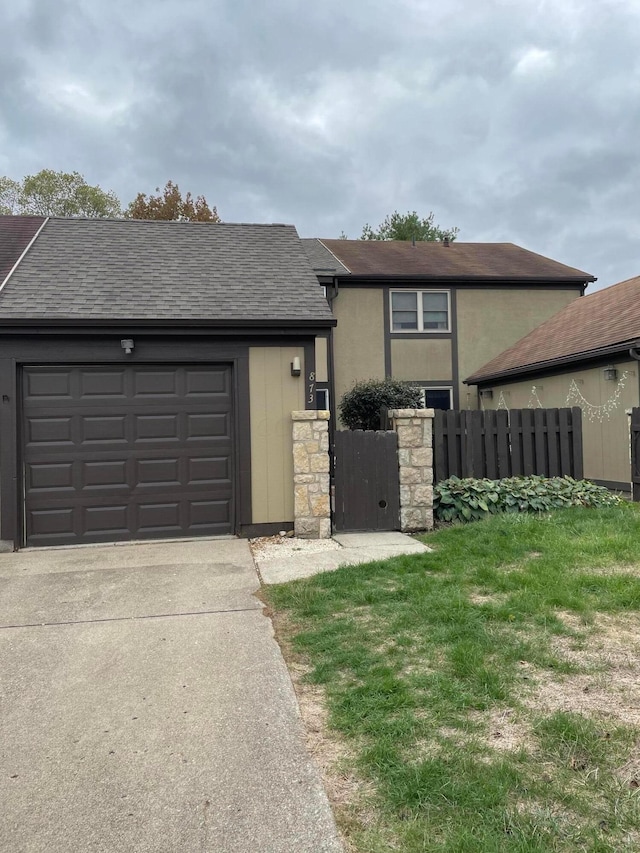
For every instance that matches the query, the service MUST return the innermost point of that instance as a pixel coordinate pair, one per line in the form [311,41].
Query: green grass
[416,653]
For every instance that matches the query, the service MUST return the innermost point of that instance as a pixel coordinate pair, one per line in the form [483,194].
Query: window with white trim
[420,311]
[322,399]
[436,398]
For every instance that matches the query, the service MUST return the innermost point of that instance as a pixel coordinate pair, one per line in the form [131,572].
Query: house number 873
[312,387]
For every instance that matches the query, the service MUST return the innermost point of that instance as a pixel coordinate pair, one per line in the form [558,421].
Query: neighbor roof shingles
[606,318]
[457,260]
[130,269]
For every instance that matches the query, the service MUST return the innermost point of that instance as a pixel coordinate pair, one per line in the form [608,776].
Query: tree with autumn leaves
[169,204]
[50,193]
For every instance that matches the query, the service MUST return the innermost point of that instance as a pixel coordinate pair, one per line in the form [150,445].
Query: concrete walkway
[355,548]
[145,707]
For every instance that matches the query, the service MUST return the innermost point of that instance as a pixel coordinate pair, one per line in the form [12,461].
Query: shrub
[468,499]
[360,407]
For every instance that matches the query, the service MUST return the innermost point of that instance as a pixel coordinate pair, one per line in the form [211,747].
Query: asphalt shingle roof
[131,269]
[16,232]
[606,318]
[322,260]
[457,260]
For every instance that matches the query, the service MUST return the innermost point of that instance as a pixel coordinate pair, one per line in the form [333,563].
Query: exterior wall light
[610,373]
[296,370]
[127,345]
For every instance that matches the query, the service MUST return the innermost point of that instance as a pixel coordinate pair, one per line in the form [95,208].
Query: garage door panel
[103,428]
[161,515]
[49,431]
[124,462]
[97,475]
[206,382]
[207,513]
[55,523]
[111,519]
[209,469]
[156,383]
[45,477]
[46,385]
[156,428]
[102,384]
[165,472]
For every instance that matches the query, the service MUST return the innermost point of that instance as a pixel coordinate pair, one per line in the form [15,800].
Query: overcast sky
[515,120]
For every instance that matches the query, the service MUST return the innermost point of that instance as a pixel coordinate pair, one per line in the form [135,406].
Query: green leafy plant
[470,499]
[360,407]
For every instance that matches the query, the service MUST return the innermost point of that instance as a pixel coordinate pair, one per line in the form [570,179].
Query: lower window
[436,398]
[322,399]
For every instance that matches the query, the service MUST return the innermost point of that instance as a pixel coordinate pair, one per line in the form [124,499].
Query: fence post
[415,460]
[312,506]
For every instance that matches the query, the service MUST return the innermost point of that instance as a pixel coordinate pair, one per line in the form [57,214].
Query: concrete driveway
[145,706]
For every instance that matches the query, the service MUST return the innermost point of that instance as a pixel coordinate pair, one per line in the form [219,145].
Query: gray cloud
[516,121]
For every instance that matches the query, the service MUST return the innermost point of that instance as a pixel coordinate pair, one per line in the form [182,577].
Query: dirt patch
[481,598]
[348,794]
[608,652]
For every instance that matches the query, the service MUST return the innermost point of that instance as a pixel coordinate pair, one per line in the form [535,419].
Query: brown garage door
[135,452]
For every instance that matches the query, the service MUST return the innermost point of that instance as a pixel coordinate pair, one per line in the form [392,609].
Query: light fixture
[296,370]
[127,345]
[610,373]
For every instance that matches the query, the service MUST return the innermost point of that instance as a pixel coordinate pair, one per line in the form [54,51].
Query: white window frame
[420,330]
[425,388]
[324,391]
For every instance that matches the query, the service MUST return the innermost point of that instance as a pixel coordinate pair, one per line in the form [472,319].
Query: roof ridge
[170,222]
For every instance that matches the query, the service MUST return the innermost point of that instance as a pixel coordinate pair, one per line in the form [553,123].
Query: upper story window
[420,311]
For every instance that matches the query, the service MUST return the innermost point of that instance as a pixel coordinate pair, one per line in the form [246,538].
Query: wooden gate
[367,492]
[635,453]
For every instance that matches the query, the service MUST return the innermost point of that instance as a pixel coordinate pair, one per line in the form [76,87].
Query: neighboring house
[586,355]
[149,371]
[432,313]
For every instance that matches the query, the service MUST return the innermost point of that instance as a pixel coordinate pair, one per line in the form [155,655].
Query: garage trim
[91,351]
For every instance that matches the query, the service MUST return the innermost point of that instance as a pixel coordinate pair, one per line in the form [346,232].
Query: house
[433,313]
[586,355]
[149,371]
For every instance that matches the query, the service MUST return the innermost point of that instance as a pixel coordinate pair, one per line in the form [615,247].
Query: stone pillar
[415,460]
[312,506]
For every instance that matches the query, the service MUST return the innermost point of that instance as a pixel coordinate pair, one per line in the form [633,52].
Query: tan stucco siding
[489,321]
[273,395]
[322,368]
[420,359]
[605,438]
[358,349]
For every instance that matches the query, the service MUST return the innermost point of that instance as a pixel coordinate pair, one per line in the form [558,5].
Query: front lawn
[483,697]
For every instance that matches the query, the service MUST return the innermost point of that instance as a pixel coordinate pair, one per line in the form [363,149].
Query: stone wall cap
[310,415]
[411,413]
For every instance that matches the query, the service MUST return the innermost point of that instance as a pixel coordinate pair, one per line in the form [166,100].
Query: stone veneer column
[415,460]
[312,507]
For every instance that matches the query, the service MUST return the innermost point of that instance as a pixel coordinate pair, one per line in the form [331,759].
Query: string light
[534,400]
[596,413]
[502,403]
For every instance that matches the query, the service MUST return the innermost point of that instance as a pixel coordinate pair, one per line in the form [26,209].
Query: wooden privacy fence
[508,443]
[635,453]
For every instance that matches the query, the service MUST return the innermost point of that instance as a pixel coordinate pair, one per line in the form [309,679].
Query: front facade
[587,356]
[149,372]
[432,313]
